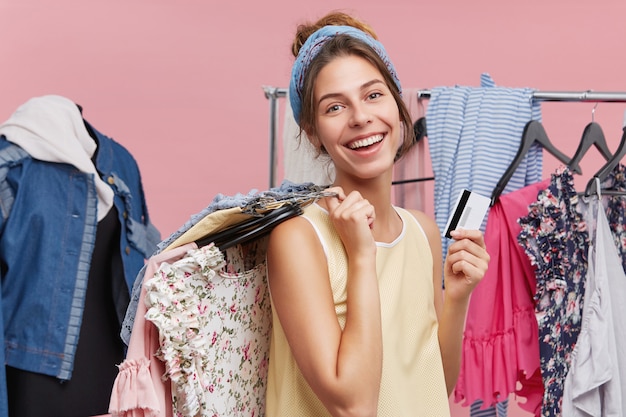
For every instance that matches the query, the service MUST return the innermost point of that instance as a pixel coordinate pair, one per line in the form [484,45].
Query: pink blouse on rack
[500,342]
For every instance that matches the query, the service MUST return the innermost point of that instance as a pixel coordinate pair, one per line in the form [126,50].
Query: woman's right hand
[353,217]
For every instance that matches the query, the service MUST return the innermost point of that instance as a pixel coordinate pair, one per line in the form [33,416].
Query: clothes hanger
[534,132]
[419,127]
[250,229]
[265,212]
[592,135]
[264,229]
[608,167]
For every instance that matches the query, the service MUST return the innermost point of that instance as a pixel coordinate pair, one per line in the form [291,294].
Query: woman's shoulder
[295,232]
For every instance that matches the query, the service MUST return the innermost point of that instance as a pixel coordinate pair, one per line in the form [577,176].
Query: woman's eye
[374,95]
[333,109]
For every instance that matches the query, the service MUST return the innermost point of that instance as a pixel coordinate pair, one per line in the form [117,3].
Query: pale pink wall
[179,83]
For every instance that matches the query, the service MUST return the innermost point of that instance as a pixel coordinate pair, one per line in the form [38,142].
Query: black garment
[99,350]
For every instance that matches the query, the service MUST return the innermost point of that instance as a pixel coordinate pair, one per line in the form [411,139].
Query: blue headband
[312,47]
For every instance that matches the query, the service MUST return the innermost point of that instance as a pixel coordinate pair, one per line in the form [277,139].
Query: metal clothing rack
[275,93]
[579,96]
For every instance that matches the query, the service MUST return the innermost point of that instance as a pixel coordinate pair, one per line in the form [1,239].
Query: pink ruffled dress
[500,341]
[139,389]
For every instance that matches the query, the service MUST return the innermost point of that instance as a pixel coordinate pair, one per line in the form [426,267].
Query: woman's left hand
[466,263]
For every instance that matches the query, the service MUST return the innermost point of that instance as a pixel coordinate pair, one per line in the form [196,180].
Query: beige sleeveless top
[412,376]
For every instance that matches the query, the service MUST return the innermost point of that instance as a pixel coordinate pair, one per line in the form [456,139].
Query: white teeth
[366,142]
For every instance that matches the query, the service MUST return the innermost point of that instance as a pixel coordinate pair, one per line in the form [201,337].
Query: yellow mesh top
[412,377]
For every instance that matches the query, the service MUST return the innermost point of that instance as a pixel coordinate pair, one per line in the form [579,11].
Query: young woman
[361,324]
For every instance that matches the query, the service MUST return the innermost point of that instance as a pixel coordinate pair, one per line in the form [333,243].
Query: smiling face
[357,117]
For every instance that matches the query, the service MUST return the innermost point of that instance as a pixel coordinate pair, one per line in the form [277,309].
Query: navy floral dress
[556,240]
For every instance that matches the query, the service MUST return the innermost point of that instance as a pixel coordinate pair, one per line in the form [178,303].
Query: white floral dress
[214,328]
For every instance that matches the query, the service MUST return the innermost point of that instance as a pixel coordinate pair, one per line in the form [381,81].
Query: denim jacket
[48,221]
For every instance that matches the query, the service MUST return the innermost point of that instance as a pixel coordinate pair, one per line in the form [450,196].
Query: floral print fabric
[555,238]
[214,321]
[254,201]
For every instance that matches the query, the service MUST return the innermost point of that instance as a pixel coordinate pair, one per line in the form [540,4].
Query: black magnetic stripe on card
[458,212]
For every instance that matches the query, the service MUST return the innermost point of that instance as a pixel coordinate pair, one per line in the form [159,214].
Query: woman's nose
[360,115]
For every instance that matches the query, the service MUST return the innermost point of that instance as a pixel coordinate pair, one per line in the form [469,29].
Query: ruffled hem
[133,393]
[492,367]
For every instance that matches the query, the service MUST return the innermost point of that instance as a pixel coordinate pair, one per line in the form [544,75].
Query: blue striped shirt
[473,135]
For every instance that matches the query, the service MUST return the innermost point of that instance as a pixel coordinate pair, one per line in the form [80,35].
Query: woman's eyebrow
[363,87]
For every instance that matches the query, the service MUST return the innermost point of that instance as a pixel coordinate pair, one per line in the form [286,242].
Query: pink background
[179,83]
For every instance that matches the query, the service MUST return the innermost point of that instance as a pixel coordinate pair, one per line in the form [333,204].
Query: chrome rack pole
[272,94]
[582,96]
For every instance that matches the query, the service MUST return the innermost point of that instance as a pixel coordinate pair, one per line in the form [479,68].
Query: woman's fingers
[467,256]
[350,208]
